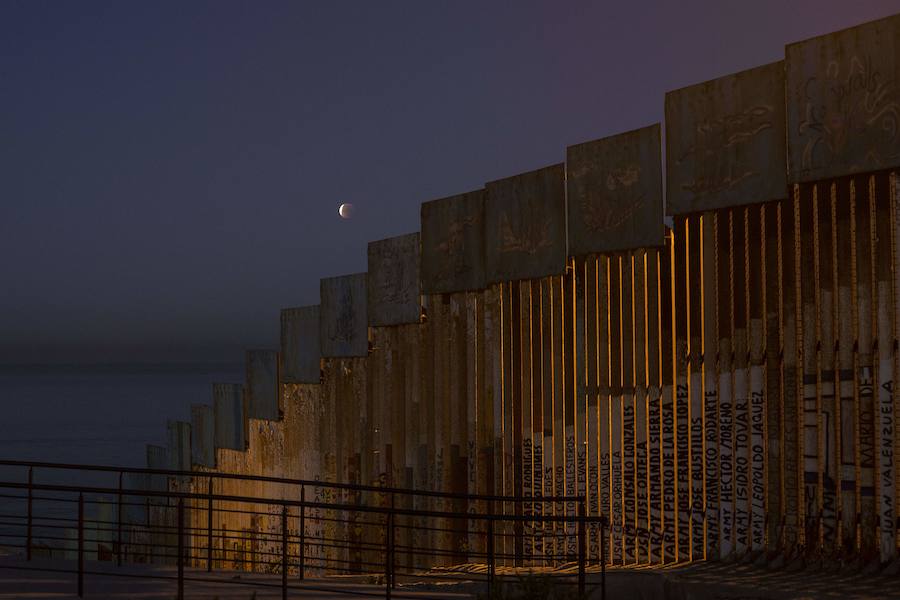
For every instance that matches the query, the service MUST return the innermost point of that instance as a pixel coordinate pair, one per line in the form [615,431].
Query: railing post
[393,534]
[284,552]
[28,533]
[582,547]
[209,527]
[388,560]
[81,545]
[302,553]
[180,548]
[490,546]
[119,525]
[149,534]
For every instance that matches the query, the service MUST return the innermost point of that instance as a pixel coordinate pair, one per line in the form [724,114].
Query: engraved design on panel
[621,195]
[716,150]
[526,230]
[850,116]
[453,246]
[396,281]
[341,330]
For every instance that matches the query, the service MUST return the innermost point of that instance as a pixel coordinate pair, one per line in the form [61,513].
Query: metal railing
[380,532]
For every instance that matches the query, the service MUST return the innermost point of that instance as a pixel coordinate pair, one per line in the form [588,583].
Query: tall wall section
[721,388]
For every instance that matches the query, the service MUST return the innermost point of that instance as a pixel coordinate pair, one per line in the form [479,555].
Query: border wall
[719,389]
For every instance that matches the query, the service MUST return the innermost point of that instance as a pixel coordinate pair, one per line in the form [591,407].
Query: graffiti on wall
[614,190]
[844,102]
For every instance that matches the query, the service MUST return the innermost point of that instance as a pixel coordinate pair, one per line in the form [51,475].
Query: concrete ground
[42,579]
[701,581]
[798,580]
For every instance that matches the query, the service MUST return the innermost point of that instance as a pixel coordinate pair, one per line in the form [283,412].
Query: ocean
[97,414]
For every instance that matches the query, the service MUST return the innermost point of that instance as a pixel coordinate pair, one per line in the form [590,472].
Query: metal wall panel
[300,355]
[157,458]
[725,141]
[393,285]
[178,434]
[262,385]
[615,193]
[843,102]
[654,406]
[228,404]
[525,225]
[453,244]
[134,507]
[342,318]
[203,435]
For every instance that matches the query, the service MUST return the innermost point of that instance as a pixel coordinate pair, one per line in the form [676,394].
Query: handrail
[396,539]
[290,481]
[411,512]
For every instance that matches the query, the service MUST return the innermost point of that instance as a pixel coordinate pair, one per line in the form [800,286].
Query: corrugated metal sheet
[262,384]
[393,285]
[725,141]
[843,99]
[300,353]
[453,244]
[525,225]
[343,321]
[203,435]
[228,404]
[615,193]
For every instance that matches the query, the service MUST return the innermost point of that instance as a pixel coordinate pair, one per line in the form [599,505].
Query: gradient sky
[170,172]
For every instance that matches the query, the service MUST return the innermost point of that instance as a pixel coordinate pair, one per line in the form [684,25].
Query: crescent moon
[346,210]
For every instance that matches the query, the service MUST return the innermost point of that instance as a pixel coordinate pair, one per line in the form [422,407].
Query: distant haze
[170,171]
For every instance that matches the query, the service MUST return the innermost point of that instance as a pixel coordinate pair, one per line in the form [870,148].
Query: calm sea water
[90,415]
[98,414]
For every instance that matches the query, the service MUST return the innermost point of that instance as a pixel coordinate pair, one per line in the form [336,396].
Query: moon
[346,210]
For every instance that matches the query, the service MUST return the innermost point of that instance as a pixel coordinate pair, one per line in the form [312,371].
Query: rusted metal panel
[725,141]
[203,435]
[262,384]
[228,405]
[526,218]
[393,285]
[453,244]
[615,193]
[300,345]
[843,102]
[342,316]
[178,435]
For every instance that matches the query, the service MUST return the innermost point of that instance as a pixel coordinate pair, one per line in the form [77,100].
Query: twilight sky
[170,172]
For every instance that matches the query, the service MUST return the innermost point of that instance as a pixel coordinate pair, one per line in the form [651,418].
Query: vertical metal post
[119,525]
[81,545]
[209,527]
[603,558]
[180,548]
[582,534]
[490,546]
[284,552]
[149,533]
[302,553]
[28,533]
[388,562]
[393,542]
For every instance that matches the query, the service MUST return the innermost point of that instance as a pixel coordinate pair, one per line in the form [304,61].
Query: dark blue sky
[170,172]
